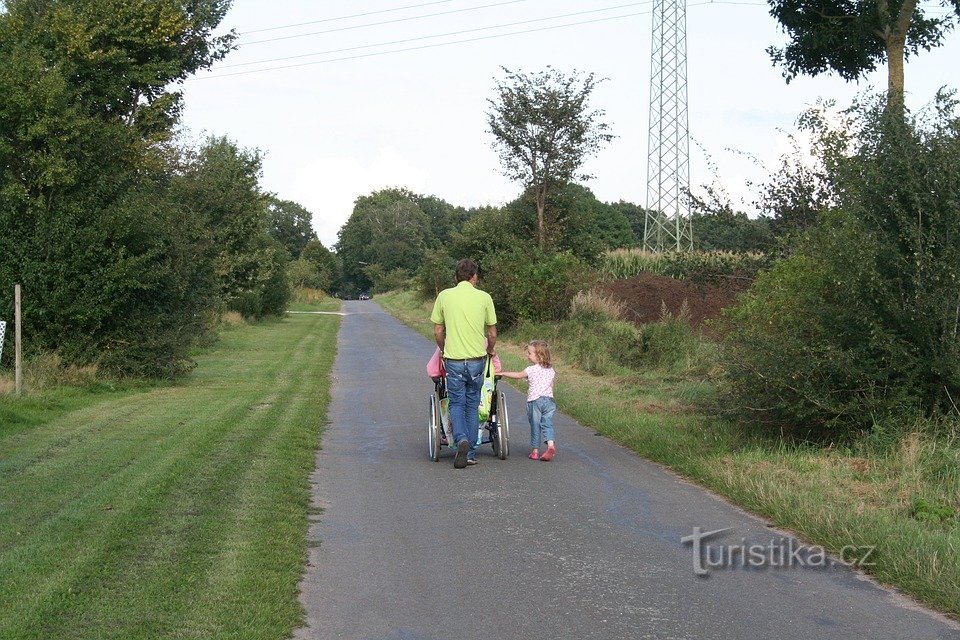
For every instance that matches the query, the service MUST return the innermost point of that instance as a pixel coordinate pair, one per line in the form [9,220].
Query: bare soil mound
[646,294]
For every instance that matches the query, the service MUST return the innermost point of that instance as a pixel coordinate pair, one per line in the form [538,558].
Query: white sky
[340,129]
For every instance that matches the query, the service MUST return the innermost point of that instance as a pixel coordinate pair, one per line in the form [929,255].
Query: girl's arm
[516,375]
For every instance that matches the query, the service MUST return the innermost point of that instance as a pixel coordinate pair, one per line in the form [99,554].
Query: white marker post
[3,332]
[18,353]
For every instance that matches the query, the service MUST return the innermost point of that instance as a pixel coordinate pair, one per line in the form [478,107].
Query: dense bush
[533,285]
[435,274]
[859,325]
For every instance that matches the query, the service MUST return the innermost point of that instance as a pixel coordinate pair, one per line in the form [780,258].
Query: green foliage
[544,130]
[108,226]
[579,223]
[268,290]
[859,325]
[932,512]
[326,263]
[701,266]
[435,274]
[290,225]
[534,286]
[386,228]
[635,215]
[852,38]
[383,281]
[487,231]
[724,229]
[444,219]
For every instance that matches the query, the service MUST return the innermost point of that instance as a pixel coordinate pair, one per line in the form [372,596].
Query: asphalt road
[586,546]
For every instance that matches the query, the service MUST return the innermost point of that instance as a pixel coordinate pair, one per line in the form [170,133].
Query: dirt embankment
[646,294]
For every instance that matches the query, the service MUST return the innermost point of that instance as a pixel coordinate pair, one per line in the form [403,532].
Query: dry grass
[595,304]
[47,370]
[306,295]
[232,319]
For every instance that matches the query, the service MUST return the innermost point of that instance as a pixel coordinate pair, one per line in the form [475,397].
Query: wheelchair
[495,430]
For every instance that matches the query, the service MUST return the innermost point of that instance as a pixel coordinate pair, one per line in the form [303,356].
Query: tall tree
[544,130]
[851,37]
[290,225]
[386,228]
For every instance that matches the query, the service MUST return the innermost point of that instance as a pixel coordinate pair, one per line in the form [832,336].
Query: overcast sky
[335,128]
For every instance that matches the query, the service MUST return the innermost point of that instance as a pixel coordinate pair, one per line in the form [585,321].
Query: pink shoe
[534,455]
[548,454]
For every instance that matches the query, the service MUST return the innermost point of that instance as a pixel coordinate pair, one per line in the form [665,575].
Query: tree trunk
[896,41]
[895,52]
[541,216]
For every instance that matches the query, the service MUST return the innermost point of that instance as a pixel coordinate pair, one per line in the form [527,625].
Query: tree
[544,130]
[326,263]
[115,266]
[290,225]
[852,38]
[580,223]
[386,228]
[635,215]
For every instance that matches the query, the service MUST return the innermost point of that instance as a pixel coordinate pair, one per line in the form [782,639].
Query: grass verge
[901,500]
[174,512]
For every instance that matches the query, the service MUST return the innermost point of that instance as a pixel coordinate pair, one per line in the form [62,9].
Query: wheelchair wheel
[435,427]
[503,428]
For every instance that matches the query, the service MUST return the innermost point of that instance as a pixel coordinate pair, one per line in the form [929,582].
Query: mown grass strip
[180,512]
[835,497]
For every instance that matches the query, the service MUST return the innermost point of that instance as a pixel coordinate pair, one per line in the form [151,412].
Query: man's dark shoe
[460,461]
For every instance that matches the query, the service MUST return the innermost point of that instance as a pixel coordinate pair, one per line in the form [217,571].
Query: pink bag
[435,365]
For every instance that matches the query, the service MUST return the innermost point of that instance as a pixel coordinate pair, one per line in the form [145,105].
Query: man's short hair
[466,269]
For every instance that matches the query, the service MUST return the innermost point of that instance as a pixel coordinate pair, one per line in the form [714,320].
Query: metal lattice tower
[667,225]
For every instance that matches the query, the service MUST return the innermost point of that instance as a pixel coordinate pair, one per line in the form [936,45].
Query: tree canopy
[851,38]
[544,130]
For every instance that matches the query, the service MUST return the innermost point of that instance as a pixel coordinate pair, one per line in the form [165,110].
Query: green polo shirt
[465,312]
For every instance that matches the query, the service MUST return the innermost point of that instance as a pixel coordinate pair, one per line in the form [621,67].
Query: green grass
[174,512]
[902,499]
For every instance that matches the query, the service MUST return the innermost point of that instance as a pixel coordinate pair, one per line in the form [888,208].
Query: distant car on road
[364,296]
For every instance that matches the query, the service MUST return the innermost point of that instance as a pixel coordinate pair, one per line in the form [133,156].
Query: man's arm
[440,335]
[491,338]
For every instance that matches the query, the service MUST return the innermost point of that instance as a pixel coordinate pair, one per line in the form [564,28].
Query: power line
[444,44]
[426,46]
[355,15]
[383,22]
[439,35]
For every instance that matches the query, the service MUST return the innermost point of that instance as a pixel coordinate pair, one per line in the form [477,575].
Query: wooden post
[18,352]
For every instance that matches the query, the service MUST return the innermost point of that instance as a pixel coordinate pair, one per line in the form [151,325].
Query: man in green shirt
[465,328]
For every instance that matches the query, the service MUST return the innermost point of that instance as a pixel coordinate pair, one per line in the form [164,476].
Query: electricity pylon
[667,224]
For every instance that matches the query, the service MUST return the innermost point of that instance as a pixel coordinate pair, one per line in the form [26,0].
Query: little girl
[540,403]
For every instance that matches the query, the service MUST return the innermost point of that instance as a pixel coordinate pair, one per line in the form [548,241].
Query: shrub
[858,326]
[671,342]
[435,274]
[535,286]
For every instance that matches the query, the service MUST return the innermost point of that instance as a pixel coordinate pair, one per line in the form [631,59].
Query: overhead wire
[438,35]
[354,15]
[381,23]
[427,46]
[462,41]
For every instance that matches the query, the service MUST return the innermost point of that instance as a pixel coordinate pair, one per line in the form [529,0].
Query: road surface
[586,546]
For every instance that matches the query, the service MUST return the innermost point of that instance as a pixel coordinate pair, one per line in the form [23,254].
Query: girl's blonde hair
[541,350]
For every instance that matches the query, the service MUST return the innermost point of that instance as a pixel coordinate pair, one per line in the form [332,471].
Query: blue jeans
[540,414]
[464,380]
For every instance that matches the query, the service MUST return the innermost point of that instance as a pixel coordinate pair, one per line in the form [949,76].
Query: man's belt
[465,359]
